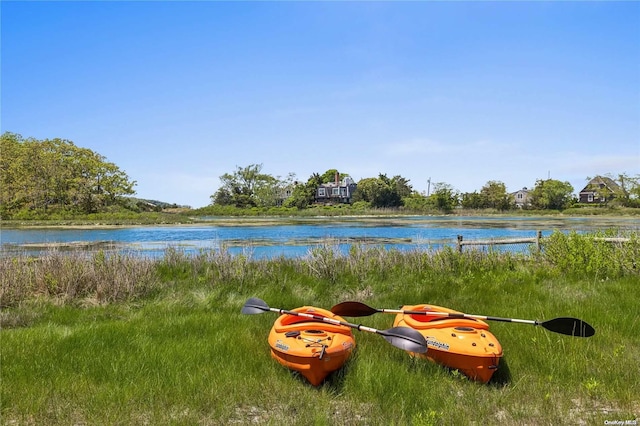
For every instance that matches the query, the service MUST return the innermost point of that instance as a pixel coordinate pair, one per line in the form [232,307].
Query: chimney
[337,179]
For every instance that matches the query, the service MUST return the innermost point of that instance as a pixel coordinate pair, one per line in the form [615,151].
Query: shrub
[599,255]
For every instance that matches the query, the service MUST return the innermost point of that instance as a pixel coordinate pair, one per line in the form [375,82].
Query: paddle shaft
[455,315]
[326,319]
[563,325]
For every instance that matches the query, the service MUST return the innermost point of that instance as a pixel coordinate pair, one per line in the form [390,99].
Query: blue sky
[178,93]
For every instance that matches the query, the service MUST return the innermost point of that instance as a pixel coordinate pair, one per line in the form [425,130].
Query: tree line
[55,175]
[248,187]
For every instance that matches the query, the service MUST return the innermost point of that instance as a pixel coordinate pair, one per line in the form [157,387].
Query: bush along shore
[120,339]
[124,217]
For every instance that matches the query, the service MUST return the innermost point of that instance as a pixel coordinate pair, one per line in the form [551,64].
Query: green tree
[494,195]
[389,195]
[330,176]
[239,188]
[222,197]
[249,187]
[401,186]
[303,195]
[444,197]
[12,191]
[56,174]
[266,191]
[93,183]
[630,188]
[472,200]
[369,190]
[383,192]
[283,188]
[417,202]
[551,194]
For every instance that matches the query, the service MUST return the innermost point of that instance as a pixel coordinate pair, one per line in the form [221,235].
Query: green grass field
[165,342]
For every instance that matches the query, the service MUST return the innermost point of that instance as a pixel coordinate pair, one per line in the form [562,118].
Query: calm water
[296,237]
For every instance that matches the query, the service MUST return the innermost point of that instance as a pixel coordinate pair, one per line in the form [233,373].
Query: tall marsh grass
[115,339]
[76,276]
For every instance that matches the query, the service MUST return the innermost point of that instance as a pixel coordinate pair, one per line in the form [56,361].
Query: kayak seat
[434,320]
[286,323]
[427,317]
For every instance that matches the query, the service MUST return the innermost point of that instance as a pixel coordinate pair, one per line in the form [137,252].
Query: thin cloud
[428,146]
[610,163]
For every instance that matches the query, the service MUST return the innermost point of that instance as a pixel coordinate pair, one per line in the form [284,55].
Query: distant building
[336,192]
[284,193]
[599,190]
[522,198]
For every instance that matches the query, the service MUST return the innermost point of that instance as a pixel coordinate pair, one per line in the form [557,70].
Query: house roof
[520,191]
[595,183]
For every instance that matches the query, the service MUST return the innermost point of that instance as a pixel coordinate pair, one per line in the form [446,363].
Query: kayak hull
[313,348]
[462,344]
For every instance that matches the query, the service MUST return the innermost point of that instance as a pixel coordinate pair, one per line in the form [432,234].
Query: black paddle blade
[255,306]
[569,326]
[405,338]
[353,309]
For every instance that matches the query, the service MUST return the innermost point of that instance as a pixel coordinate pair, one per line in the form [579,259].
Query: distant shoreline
[279,220]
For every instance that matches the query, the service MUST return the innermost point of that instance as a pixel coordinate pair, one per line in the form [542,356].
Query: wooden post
[538,240]
[459,243]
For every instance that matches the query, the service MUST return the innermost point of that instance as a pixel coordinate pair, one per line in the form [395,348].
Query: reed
[76,276]
[168,345]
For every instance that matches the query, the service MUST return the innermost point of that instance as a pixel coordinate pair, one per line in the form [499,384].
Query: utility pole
[428,186]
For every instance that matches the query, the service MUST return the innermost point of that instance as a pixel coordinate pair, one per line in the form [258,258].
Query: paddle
[569,326]
[401,337]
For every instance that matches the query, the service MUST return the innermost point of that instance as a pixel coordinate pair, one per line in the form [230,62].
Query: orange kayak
[312,347]
[463,344]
